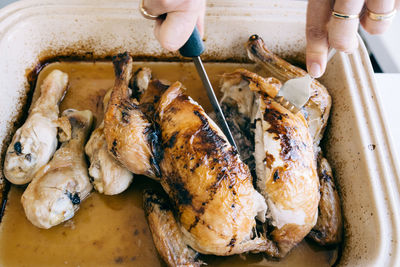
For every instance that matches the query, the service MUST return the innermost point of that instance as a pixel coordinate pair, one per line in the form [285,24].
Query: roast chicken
[108,176]
[131,137]
[283,157]
[36,141]
[211,188]
[58,188]
[329,227]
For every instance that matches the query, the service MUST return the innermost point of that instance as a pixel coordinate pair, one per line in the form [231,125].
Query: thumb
[175,30]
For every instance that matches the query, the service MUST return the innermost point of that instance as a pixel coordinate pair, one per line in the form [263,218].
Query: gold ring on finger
[344,16]
[144,12]
[381,16]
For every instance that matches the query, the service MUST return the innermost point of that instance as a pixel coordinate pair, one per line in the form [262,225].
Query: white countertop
[385,47]
[389,91]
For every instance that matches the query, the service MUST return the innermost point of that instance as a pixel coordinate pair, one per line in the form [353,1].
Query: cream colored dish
[357,144]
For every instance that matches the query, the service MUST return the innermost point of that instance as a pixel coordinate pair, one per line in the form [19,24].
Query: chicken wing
[316,111]
[329,227]
[284,158]
[108,175]
[209,185]
[166,232]
[58,188]
[36,141]
[129,134]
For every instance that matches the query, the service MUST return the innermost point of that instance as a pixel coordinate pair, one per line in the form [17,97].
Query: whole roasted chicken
[329,227]
[36,141]
[57,189]
[108,175]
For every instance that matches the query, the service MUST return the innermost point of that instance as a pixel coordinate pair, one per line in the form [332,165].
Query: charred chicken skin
[129,133]
[57,189]
[36,141]
[284,158]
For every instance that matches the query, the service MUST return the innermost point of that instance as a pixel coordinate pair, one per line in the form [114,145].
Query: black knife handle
[194,46]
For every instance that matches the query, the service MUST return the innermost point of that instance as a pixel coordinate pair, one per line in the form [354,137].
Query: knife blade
[214,101]
[193,48]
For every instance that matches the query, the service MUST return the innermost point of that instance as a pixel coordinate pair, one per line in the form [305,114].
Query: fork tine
[286,104]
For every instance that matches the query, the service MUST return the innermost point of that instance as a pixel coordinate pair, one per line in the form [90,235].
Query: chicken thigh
[58,188]
[108,175]
[329,227]
[209,186]
[284,158]
[129,134]
[36,141]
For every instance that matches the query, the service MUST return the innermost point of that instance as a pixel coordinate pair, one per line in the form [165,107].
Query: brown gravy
[112,230]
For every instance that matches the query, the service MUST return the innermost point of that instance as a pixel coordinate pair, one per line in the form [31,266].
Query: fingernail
[315,70]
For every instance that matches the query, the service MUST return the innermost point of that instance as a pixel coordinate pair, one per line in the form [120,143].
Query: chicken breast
[129,134]
[58,188]
[108,175]
[237,103]
[284,158]
[36,141]
[316,112]
[211,188]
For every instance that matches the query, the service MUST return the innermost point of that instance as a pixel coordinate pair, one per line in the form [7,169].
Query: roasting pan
[357,143]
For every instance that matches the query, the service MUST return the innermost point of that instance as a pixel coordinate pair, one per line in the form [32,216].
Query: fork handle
[331,53]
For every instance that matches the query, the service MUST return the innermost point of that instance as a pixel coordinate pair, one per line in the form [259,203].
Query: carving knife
[193,48]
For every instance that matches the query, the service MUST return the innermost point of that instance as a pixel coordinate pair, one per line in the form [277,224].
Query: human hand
[325,30]
[182,16]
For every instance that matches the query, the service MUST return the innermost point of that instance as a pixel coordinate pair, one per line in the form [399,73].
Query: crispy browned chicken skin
[205,179]
[128,132]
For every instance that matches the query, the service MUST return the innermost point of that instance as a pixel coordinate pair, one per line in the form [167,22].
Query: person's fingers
[379,7]
[318,13]
[342,33]
[397,5]
[175,30]
[200,19]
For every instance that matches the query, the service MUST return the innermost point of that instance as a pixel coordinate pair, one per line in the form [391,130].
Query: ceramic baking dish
[357,143]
